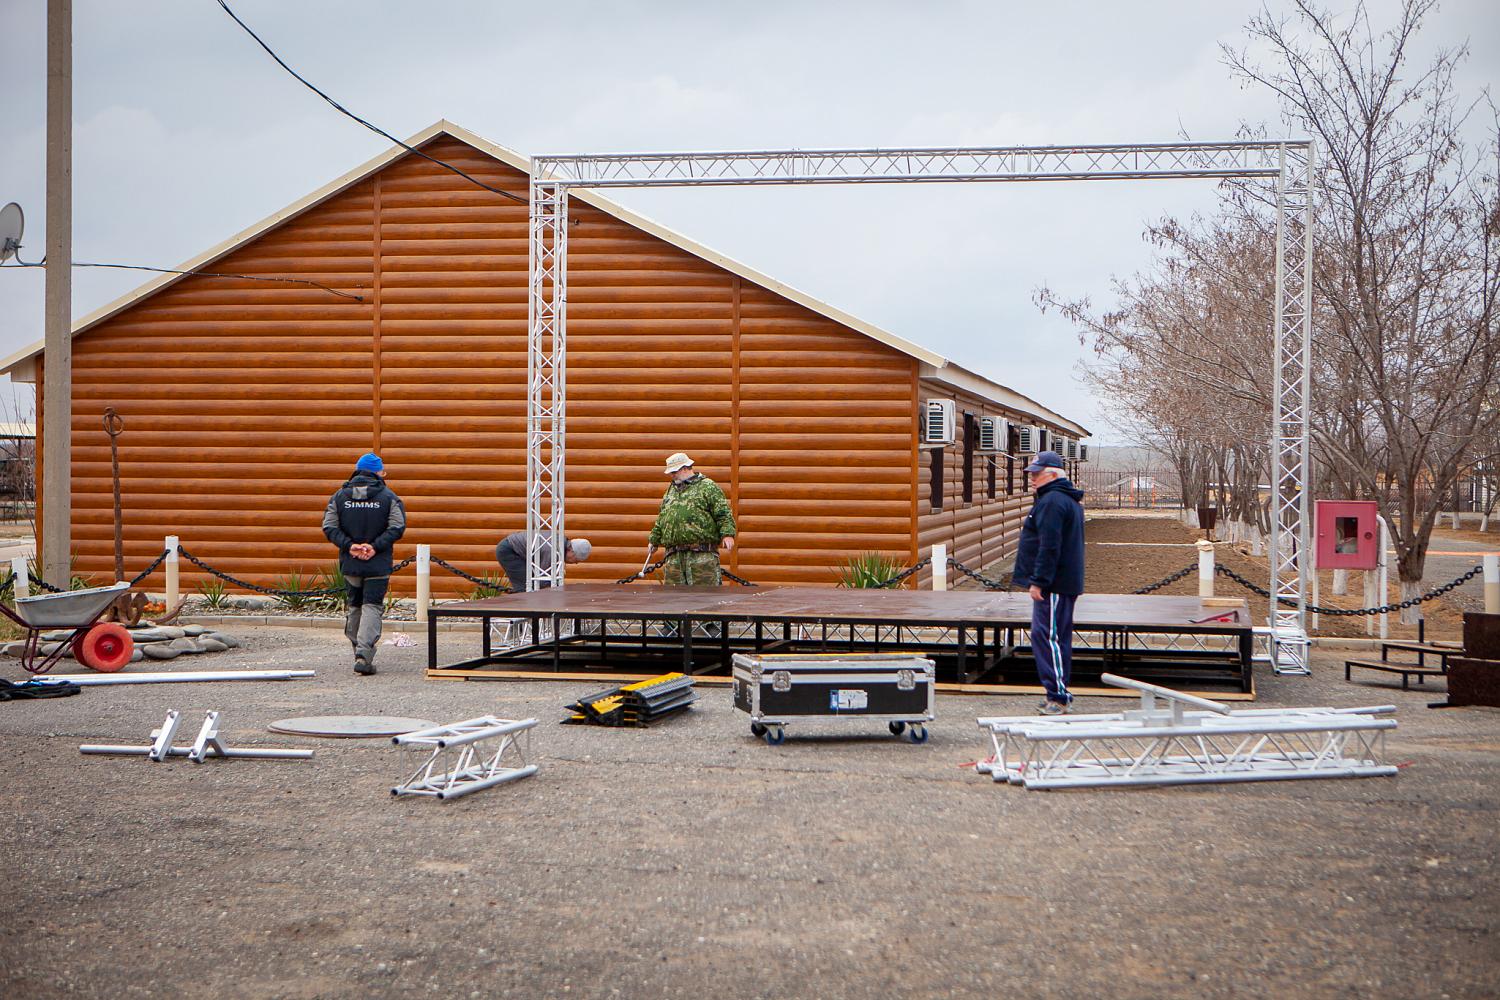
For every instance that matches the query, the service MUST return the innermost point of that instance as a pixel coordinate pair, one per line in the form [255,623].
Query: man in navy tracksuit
[1050,562]
[365,519]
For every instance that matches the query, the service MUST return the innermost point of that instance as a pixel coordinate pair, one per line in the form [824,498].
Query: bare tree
[1406,276]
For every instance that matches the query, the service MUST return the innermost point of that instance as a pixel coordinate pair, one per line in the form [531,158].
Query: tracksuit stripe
[1057,677]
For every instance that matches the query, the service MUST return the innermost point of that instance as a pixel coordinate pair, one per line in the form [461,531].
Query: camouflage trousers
[692,569]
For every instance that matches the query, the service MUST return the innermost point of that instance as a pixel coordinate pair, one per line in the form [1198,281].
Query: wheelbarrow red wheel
[105,647]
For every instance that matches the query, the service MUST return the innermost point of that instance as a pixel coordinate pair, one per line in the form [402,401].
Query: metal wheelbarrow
[104,646]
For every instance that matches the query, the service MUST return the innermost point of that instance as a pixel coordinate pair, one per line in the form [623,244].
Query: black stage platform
[975,637]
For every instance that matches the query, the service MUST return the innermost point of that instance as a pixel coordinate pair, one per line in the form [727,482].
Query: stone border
[387,625]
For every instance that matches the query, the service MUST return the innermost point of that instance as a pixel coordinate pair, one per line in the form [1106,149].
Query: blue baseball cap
[1045,460]
[369,462]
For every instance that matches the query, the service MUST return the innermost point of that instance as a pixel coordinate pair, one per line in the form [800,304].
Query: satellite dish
[11,224]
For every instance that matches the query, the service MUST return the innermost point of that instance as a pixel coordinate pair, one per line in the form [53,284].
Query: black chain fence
[979,578]
[8,585]
[255,587]
[494,585]
[1382,609]
[646,571]
[1166,580]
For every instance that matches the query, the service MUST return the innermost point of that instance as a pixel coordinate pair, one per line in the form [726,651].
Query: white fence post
[22,576]
[424,581]
[1385,577]
[172,565]
[940,567]
[1205,568]
[1492,584]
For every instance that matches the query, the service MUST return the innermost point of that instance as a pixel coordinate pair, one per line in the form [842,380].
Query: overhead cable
[373,128]
[202,274]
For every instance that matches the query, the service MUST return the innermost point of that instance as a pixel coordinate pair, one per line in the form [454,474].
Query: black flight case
[890,687]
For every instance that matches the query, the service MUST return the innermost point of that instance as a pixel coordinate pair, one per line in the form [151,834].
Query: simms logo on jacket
[373,504]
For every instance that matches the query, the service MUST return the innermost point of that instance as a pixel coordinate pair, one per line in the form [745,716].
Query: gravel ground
[691,860]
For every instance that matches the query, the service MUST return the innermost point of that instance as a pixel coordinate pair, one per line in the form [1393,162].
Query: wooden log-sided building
[246,402]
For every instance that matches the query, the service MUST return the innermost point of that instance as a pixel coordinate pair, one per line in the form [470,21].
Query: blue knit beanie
[369,462]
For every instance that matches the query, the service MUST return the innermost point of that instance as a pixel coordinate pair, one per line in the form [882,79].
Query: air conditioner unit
[994,434]
[1072,448]
[1026,439]
[1083,452]
[938,422]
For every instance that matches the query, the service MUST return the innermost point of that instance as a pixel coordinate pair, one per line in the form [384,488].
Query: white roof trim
[940,367]
[961,378]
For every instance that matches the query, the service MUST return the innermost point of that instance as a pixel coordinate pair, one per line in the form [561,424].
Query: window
[936,486]
[971,429]
[1010,463]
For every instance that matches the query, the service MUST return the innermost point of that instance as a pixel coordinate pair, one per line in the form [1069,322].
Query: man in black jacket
[364,518]
[1049,561]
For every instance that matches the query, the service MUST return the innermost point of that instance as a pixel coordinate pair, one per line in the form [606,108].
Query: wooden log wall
[246,403]
[981,534]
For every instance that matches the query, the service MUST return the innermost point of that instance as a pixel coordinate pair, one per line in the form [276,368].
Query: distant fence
[1131,488]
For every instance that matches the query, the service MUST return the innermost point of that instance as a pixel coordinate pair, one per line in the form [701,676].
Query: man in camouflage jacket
[694,522]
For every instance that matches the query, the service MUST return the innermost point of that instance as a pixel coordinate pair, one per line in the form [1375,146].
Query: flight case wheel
[897,728]
[919,734]
[757,729]
[775,736]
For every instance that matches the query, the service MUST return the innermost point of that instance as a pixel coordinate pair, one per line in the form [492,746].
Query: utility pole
[57,387]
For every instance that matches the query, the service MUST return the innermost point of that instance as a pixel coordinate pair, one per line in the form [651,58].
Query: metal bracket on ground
[461,760]
[207,744]
[1168,745]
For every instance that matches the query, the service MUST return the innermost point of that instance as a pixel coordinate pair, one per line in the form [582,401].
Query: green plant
[494,585]
[392,600]
[333,578]
[215,595]
[867,570]
[295,582]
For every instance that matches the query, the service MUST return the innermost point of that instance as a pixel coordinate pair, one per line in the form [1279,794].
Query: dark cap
[1045,460]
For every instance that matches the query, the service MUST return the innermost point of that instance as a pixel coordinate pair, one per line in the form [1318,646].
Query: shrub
[868,570]
[298,581]
[215,595]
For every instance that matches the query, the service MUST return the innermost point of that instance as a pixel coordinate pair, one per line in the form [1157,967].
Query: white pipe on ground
[100,680]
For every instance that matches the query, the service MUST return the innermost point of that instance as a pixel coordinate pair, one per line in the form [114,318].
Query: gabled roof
[21,366]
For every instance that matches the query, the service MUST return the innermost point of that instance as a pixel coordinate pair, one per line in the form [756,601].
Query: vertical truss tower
[1289,164]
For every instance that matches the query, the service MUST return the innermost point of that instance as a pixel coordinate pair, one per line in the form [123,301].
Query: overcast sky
[185,132]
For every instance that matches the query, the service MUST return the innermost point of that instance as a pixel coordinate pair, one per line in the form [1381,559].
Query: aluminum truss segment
[547,384]
[1168,744]
[1292,164]
[468,756]
[913,164]
[1291,382]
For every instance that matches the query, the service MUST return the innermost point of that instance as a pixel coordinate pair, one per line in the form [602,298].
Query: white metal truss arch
[1291,164]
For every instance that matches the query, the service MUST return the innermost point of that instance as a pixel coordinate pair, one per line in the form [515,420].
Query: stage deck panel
[914,607]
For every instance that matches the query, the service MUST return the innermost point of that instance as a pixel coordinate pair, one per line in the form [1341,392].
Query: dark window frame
[971,432]
[935,482]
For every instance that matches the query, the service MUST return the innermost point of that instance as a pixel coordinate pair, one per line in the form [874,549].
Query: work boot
[363,666]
